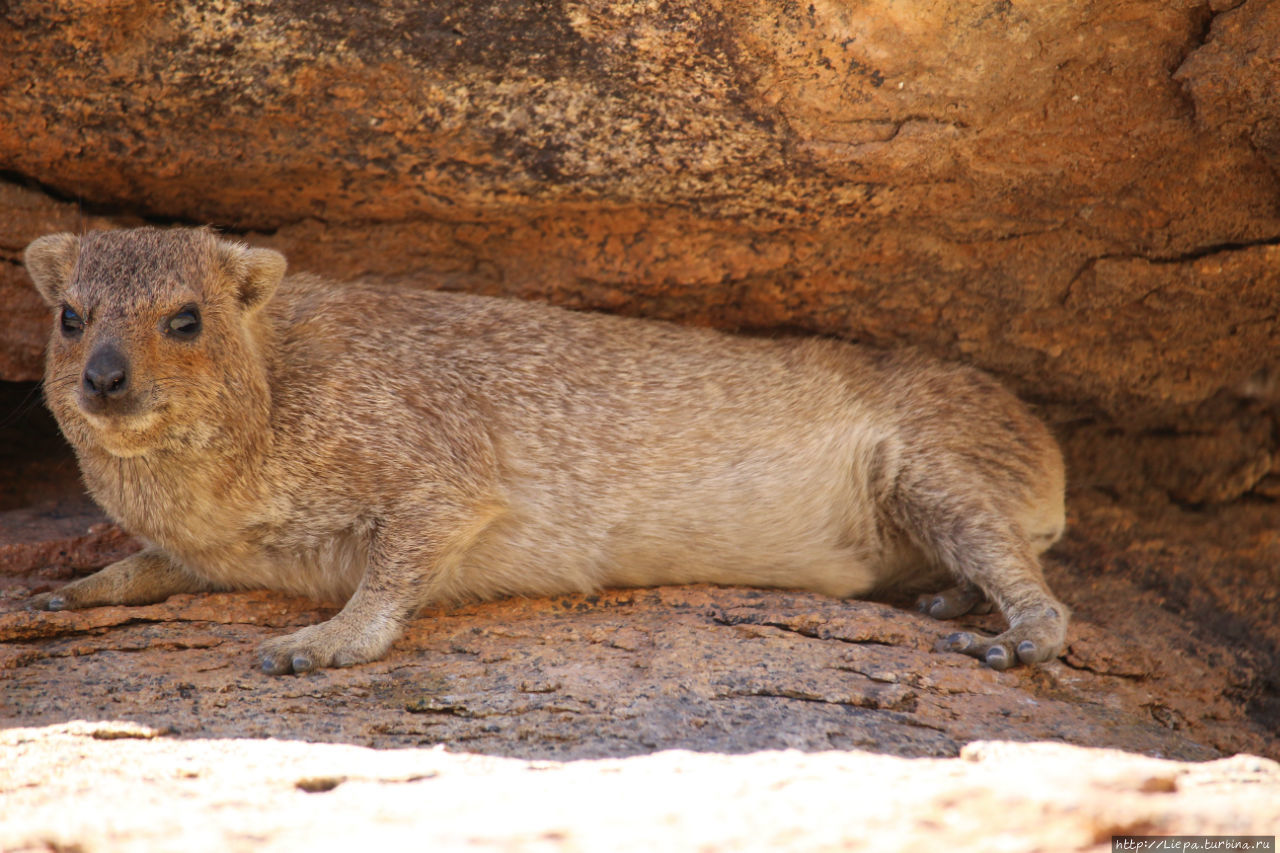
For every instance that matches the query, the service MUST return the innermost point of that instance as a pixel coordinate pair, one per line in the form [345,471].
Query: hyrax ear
[255,273]
[264,269]
[50,260]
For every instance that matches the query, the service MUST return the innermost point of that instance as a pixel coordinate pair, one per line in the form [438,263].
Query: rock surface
[1081,197]
[271,795]
[1172,652]
[1158,661]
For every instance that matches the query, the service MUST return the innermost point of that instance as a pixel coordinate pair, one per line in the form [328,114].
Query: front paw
[325,645]
[48,601]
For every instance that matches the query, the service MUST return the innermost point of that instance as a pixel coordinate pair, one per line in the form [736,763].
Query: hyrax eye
[72,323]
[184,325]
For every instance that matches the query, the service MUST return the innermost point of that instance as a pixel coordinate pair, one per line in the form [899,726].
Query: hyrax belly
[798,517]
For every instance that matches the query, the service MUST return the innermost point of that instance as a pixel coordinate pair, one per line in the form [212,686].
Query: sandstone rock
[1231,78]
[1171,652]
[1029,188]
[55,540]
[1215,455]
[24,327]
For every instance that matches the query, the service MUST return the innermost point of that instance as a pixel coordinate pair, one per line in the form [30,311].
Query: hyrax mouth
[126,435]
[120,422]
[118,412]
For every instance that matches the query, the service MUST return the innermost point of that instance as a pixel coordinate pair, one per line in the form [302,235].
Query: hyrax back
[395,447]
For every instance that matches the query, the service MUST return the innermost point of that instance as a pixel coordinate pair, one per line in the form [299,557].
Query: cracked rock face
[1157,661]
[631,672]
[183,723]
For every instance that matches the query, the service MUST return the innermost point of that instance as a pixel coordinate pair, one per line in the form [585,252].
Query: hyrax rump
[396,447]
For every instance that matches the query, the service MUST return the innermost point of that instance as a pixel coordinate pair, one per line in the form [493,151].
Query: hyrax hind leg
[985,545]
[954,601]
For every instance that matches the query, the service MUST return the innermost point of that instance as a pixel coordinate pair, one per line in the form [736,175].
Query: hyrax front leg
[146,577]
[362,631]
[404,558]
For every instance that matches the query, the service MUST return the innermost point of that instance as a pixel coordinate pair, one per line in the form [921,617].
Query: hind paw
[1033,641]
[953,602]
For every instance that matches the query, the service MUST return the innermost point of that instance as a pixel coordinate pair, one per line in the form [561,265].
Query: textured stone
[1171,653]
[1081,198]
[58,540]
[1071,195]
[1171,650]
[1231,79]
[23,325]
[1159,661]
[64,785]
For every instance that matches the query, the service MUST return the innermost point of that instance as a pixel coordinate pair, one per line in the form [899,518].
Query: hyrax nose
[107,373]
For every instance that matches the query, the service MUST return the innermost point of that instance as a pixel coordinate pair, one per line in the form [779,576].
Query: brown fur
[395,448]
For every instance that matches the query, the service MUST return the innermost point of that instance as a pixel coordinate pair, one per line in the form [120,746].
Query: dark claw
[924,605]
[1027,652]
[960,641]
[273,665]
[302,663]
[997,658]
[56,603]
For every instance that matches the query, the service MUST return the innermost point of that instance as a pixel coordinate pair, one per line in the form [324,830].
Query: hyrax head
[153,334]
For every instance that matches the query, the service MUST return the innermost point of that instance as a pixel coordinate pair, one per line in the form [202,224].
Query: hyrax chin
[396,448]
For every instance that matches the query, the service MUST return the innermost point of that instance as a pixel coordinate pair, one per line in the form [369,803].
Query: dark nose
[107,373]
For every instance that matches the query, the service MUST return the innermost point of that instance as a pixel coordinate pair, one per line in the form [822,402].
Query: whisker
[30,401]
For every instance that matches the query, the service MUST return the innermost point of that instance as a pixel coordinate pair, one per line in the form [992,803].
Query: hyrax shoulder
[395,447]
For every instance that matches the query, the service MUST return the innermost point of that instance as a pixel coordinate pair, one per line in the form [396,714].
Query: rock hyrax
[394,448]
